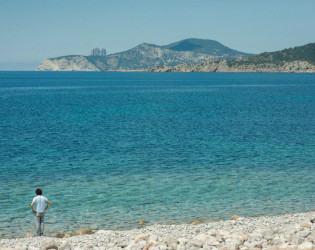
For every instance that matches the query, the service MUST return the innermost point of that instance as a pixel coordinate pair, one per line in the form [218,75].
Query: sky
[32,30]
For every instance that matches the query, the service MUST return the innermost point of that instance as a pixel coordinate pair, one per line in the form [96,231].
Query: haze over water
[110,149]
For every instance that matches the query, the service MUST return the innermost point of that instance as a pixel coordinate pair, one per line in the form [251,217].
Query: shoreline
[288,231]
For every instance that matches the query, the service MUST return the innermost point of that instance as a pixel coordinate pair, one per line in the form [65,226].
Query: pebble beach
[288,231]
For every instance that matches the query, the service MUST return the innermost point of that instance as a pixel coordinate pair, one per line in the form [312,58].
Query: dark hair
[38,191]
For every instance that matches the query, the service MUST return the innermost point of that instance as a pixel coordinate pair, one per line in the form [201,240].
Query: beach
[288,231]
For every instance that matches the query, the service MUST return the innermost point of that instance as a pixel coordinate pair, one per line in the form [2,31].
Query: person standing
[41,204]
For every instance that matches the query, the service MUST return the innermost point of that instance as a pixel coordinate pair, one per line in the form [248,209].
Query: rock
[257,235]
[304,233]
[235,217]
[224,234]
[104,232]
[206,247]
[141,237]
[110,245]
[171,242]
[180,247]
[268,234]
[288,230]
[196,222]
[147,246]
[215,243]
[83,231]
[67,235]
[22,247]
[182,241]
[141,222]
[298,227]
[29,235]
[235,242]
[296,240]
[48,244]
[141,244]
[32,248]
[293,247]
[59,235]
[155,248]
[98,52]
[194,243]
[103,52]
[284,246]
[277,240]
[243,235]
[163,247]
[205,238]
[311,237]
[131,244]
[254,244]
[153,238]
[306,245]
[306,224]
[65,246]
[212,233]
[121,244]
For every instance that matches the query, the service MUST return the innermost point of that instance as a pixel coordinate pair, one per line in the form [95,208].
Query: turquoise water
[110,149]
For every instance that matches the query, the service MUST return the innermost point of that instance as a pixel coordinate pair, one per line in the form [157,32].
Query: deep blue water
[110,149]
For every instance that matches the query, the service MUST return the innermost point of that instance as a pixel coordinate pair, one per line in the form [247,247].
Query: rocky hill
[298,59]
[143,56]
[205,46]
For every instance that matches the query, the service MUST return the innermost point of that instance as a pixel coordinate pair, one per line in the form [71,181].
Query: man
[41,205]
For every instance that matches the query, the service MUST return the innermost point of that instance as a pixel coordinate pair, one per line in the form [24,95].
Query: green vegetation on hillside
[205,46]
[301,53]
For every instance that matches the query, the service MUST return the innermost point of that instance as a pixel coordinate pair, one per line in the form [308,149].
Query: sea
[109,149]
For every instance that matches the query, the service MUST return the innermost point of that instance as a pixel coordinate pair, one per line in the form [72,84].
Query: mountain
[143,56]
[299,59]
[205,46]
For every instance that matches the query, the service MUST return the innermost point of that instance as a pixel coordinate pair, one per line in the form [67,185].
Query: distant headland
[189,55]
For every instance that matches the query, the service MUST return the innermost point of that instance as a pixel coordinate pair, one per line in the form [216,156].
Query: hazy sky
[32,30]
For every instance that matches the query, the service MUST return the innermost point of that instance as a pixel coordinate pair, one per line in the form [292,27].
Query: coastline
[288,231]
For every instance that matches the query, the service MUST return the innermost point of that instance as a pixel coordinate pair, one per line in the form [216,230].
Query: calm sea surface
[110,149]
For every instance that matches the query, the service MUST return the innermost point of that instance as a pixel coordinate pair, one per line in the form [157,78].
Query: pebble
[289,231]
[83,231]
[306,246]
[48,244]
[235,217]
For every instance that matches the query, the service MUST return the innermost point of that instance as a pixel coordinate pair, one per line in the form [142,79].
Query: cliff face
[223,66]
[70,63]
[143,56]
